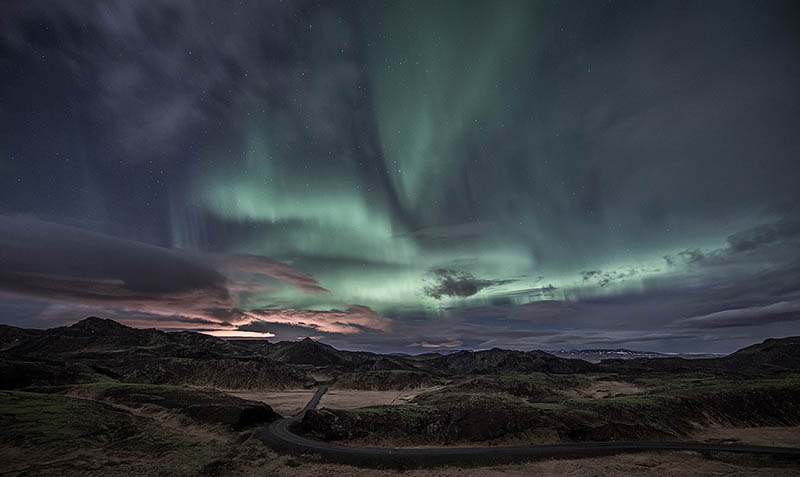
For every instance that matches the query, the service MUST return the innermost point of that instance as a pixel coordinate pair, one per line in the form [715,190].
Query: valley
[99,395]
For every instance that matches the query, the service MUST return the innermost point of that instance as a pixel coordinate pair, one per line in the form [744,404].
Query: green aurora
[489,173]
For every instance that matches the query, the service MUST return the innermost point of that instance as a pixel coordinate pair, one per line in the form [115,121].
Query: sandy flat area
[289,402]
[350,399]
[286,402]
[600,388]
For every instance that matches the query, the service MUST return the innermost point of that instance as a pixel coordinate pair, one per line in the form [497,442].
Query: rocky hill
[308,351]
[499,360]
[321,355]
[141,356]
[103,336]
[158,357]
[770,355]
[11,336]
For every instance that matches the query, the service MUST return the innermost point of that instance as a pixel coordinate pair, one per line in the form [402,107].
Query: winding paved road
[280,436]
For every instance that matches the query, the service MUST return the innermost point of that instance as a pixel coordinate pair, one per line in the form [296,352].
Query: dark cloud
[765,242]
[685,257]
[603,278]
[111,292]
[162,69]
[57,263]
[547,292]
[765,234]
[280,330]
[455,283]
[589,274]
[692,256]
[780,312]
[54,262]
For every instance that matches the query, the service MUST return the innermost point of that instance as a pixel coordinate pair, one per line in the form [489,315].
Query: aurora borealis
[404,176]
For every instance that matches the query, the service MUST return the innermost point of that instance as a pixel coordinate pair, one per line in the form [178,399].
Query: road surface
[279,435]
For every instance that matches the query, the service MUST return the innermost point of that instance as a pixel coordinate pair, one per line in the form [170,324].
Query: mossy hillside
[534,387]
[441,419]
[136,394]
[205,406]
[21,373]
[82,432]
[51,420]
[668,410]
[408,411]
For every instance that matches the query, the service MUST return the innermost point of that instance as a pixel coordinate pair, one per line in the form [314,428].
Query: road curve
[279,436]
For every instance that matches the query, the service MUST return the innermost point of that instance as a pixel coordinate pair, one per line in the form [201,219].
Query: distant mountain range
[46,357]
[597,355]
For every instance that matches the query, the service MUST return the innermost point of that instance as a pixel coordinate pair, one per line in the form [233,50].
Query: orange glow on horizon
[238,334]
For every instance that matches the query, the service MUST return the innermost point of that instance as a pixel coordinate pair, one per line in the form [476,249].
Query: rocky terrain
[101,397]
[137,355]
[496,396]
[464,414]
[156,357]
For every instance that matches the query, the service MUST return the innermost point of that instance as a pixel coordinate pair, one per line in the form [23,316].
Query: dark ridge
[122,350]
[94,324]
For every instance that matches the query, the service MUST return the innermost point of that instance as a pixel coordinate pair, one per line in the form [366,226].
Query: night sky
[405,176]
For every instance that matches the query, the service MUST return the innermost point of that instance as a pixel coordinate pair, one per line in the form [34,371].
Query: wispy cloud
[352,320]
[765,234]
[446,344]
[150,286]
[749,316]
[265,266]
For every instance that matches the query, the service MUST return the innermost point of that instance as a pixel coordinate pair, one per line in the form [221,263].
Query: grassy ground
[106,427]
[506,408]
[42,431]
[55,435]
